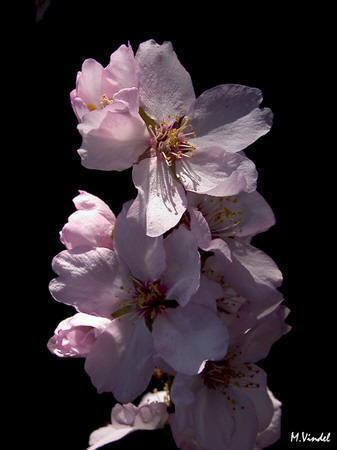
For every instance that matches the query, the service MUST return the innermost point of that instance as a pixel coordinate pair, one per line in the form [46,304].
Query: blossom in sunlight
[171,296]
[151,288]
[96,86]
[175,142]
[228,406]
[195,143]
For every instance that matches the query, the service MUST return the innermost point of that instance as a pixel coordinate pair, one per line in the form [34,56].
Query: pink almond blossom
[96,86]
[175,142]
[151,288]
[214,220]
[228,406]
[196,143]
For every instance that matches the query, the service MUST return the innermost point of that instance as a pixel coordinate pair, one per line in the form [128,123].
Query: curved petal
[257,215]
[86,228]
[215,172]
[207,294]
[129,96]
[182,274]
[273,432]
[89,82]
[251,273]
[199,227]
[220,246]
[121,360]
[165,86]
[92,280]
[228,115]
[105,435]
[212,419]
[245,420]
[264,334]
[145,256]
[123,68]
[186,337]
[113,138]
[242,179]
[161,200]
[89,202]
[149,415]
[75,335]
[243,215]
[256,391]
[78,105]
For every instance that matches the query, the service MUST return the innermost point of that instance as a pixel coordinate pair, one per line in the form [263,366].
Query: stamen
[91,107]
[105,101]
[169,140]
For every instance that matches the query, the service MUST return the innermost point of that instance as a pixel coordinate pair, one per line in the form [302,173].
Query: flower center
[169,141]
[231,302]
[148,299]
[221,375]
[221,214]
[102,103]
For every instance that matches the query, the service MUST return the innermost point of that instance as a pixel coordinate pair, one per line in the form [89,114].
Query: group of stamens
[220,217]
[169,141]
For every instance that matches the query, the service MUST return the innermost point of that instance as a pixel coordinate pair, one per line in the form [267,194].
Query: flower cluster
[172,289]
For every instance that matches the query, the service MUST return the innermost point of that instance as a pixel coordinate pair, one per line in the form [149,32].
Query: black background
[276,50]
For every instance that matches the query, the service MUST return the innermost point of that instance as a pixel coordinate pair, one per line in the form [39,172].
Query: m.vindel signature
[307,437]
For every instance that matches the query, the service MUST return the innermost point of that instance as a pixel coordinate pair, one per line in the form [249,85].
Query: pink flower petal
[121,360]
[144,256]
[185,337]
[89,202]
[75,336]
[251,273]
[161,200]
[87,228]
[113,138]
[242,179]
[210,169]
[261,337]
[165,86]
[257,393]
[207,294]
[228,115]
[182,274]
[199,227]
[123,68]
[273,432]
[92,280]
[150,414]
[89,82]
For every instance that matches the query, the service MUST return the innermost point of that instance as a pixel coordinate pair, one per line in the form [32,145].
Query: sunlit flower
[96,86]
[175,142]
[151,288]
[227,406]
